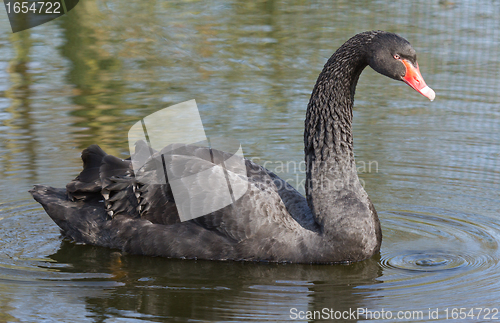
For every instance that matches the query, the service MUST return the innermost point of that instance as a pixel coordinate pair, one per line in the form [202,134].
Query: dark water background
[431,169]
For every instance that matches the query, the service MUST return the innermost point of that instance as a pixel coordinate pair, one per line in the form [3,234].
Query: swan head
[393,56]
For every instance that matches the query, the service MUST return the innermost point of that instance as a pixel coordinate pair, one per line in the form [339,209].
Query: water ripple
[440,250]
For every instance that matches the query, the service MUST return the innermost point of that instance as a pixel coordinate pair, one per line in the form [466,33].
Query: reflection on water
[187,289]
[89,76]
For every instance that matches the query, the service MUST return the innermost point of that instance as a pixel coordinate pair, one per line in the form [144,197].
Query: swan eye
[396,56]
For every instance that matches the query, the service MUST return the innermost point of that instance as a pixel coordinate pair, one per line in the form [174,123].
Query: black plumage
[108,205]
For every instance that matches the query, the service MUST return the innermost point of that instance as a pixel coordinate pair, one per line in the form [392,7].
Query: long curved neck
[331,169]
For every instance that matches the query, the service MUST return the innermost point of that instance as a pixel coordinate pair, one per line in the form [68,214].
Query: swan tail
[78,220]
[88,223]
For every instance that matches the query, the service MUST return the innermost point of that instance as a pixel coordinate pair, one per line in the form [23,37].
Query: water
[431,169]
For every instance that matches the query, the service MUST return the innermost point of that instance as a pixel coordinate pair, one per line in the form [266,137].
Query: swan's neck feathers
[331,170]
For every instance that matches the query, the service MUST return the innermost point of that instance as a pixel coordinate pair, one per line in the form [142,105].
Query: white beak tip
[428,93]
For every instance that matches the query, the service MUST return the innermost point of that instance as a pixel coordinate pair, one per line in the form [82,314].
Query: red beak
[414,79]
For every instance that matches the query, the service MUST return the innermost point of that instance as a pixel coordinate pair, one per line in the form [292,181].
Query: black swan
[107,206]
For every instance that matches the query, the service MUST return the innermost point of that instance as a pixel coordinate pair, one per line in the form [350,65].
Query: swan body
[108,205]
